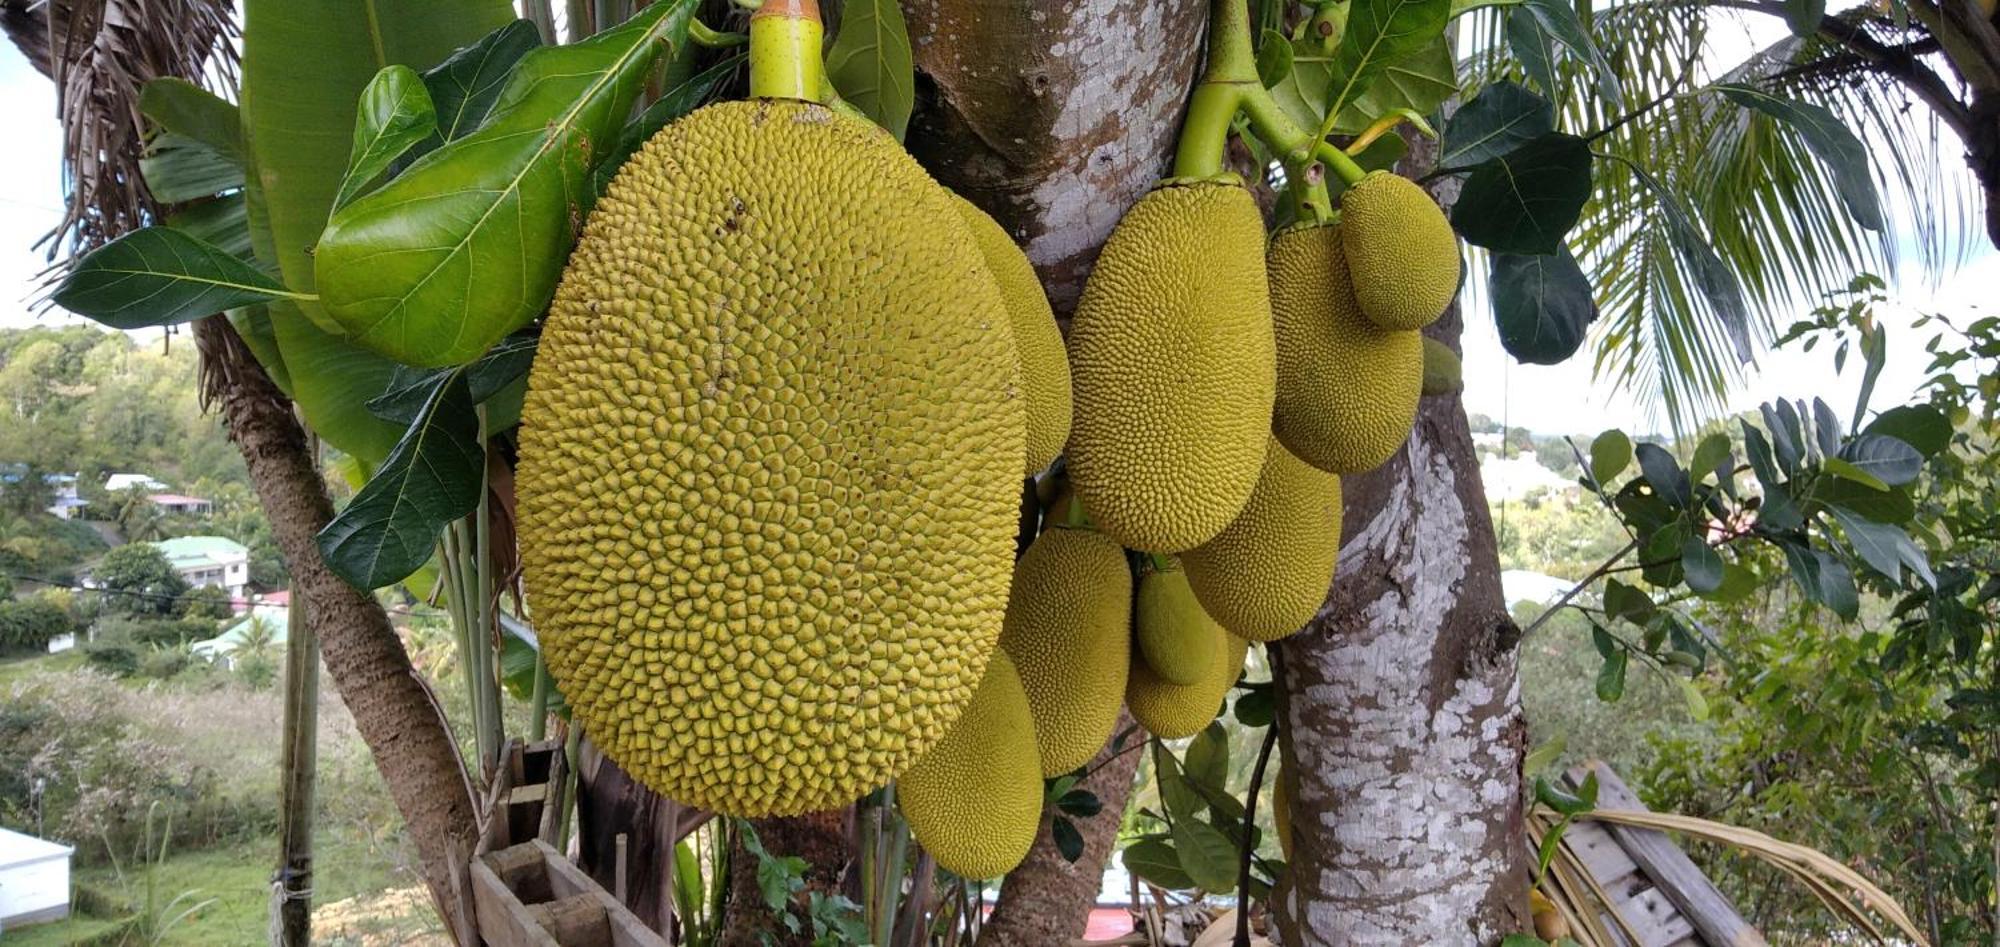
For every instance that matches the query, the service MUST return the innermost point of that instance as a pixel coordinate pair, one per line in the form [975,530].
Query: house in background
[177,503]
[127,481]
[66,503]
[34,880]
[268,620]
[209,560]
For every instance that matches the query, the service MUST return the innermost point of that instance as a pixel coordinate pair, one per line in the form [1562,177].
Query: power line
[170,599]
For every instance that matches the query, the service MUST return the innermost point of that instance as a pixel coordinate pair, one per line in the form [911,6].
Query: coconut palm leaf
[1711,222]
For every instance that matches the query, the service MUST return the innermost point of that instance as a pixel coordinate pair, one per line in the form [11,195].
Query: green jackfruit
[1267,574]
[770,463]
[1069,632]
[1044,365]
[975,800]
[1178,640]
[1443,374]
[1347,390]
[1400,251]
[1173,711]
[1173,359]
[1281,811]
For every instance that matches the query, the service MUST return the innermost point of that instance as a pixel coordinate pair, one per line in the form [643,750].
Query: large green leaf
[1823,578]
[1502,117]
[464,87]
[1379,33]
[178,169]
[1526,200]
[1558,19]
[1886,549]
[1418,82]
[1541,304]
[467,244]
[396,113]
[870,65]
[430,479]
[305,63]
[186,109]
[1206,855]
[1831,141]
[1155,860]
[220,222]
[1533,47]
[1885,458]
[157,276]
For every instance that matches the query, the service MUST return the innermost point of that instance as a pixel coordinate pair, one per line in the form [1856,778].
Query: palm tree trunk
[398,716]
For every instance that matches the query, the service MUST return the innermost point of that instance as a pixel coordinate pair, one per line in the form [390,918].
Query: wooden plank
[1655,918]
[577,921]
[566,879]
[1600,853]
[503,920]
[1670,869]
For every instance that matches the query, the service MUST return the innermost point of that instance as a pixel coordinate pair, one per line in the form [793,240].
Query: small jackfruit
[770,463]
[1281,812]
[1069,632]
[1443,374]
[1267,574]
[1400,251]
[975,800]
[1173,711]
[1178,640]
[1172,354]
[1347,389]
[1044,365]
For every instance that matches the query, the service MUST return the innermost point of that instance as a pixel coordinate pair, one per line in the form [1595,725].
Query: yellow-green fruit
[1069,632]
[1172,354]
[1347,389]
[1443,374]
[1044,365]
[1267,574]
[770,463]
[1400,250]
[1178,640]
[1173,711]
[975,800]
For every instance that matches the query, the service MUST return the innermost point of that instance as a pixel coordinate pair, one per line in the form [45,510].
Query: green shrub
[161,663]
[28,625]
[205,602]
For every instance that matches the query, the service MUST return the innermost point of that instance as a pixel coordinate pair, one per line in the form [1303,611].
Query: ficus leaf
[431,477]
[1542,305]
[464,87]
[1379,33]
[395,114]
[467,244]
[870,63]
[158,276]
[1502,117]
[1526,200]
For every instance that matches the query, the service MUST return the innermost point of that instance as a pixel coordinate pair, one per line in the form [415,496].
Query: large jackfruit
[1347,389]
[1400,251]
[1176,637]
[1044,365]
[1267,574]
[1172,354]
[770,463]
[975,800]
[1069,632]
[1173,711]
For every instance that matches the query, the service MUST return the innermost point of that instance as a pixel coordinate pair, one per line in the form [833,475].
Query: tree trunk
[1047,900]
[398,716]
[1402,732]
[823,839]
[1054,118]
[298,773]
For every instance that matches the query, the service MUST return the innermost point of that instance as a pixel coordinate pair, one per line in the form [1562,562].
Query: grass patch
[19,668]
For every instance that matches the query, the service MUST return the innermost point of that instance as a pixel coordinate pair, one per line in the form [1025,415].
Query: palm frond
[100,54]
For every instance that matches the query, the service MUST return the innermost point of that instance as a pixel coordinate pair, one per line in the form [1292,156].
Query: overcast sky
[1558,399]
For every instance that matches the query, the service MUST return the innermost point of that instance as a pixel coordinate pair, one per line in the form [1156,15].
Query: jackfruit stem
[1230,68]
[784,51]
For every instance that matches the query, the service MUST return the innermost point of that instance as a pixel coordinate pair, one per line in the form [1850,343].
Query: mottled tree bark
[399,718]
[1054,117]
[1402,720]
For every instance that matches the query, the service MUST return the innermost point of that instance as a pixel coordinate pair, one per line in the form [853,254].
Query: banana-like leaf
[467,245]
[158,276]
[305,63]
[179,169]
[186,109]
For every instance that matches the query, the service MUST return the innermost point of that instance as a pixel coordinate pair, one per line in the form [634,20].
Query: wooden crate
[528,895]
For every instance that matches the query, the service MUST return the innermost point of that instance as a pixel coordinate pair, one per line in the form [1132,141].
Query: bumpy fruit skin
[1400,250]
[770,463]
[975,800]
[1044,365]
[1443,374]
[1267,574]
[1178,640]
[1172,354]
[1173,711]
[1069,632]
[1347,389]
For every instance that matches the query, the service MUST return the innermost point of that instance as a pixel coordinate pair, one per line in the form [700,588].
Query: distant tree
[30,624]
[1556,454]
[6,587]
[205,602]
[137,579]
